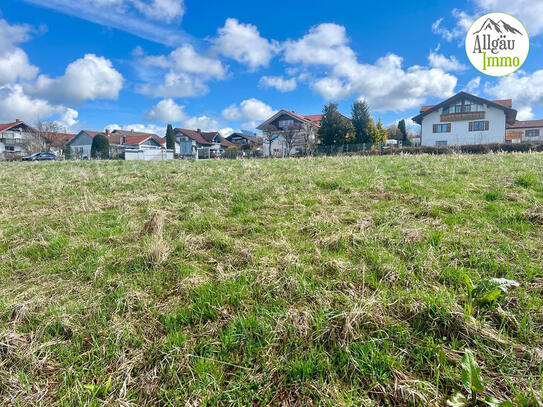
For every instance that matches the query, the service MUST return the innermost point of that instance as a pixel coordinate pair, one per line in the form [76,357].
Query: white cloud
[473,85]
[165,111]
[138,127]
[243,43]
[147,19]
[324,44]
[529,12]
[279,83]
[462,24]
[204,123]
[68,119]
[250,109]
[225,132]
[440,61]
[525,113]
[87,78]
[161,10]
[15,104]
[185,73]
[14,64]
[525,89]
[385,84]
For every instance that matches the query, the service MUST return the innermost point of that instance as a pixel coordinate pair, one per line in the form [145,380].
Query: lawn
[326,281]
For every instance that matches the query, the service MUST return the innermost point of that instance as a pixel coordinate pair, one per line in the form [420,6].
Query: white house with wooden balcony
[465,119]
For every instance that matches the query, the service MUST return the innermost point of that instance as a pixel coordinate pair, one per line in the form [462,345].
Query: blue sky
[226,66]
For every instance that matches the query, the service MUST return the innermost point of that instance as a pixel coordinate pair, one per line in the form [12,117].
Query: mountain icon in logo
[499,27]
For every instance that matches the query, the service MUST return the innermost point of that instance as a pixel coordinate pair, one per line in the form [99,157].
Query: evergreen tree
[335,128]
[170,138]
[361,121]
[67,153]
[403,129]
[100,147]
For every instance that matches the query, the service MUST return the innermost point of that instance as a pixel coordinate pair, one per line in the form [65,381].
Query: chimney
[18,120]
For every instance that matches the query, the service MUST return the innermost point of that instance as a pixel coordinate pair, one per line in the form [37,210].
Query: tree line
[337,129]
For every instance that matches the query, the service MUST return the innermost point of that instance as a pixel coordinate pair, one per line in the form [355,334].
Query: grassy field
[330,281]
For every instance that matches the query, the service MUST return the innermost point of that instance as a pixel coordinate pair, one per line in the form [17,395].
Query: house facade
[288,133]
[524,131]
[18,139]
[119,142]
[246,143]
[196,143]
[57,143]
[465,119]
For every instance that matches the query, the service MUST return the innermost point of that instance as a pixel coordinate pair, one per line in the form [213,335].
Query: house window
[286,123]
[532,133]
[478,126]
[441,143]
[466,106]
[442,128]
[9,148]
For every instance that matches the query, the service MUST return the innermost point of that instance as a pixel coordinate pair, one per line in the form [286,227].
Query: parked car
[40,157]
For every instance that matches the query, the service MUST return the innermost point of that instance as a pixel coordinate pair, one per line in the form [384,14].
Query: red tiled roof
[93,133]
[194,135]
[505,102]
[7,126]
[251,139]
[58,139]
[525,124]
[204,137]
[161,140]
[136,139]
[315,118]
[425,108]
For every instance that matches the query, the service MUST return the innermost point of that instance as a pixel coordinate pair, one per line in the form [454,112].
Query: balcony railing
[456,117]
[11,141]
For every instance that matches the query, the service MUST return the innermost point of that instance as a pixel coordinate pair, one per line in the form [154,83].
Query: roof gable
[510,113]
[8,126]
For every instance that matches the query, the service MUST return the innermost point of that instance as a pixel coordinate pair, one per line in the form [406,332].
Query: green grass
[329,281]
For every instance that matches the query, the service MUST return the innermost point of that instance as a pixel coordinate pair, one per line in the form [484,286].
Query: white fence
[148,155]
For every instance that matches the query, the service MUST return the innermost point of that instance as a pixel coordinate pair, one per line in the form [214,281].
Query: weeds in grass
[319,281]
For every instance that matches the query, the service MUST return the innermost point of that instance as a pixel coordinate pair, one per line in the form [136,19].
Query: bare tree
[288,136]
[308,138]
[269,136]
[46,128]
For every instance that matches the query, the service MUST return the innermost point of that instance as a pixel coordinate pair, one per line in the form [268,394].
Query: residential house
[57,142]
[246,143]
[524,131]
[203,144]
[287,133]
[18,139]
[164,142]
[81,144]
[119,141]
[465,119]
[122,140]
